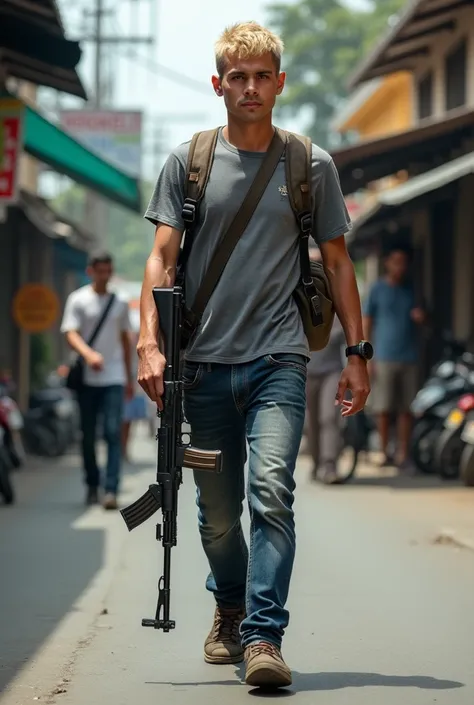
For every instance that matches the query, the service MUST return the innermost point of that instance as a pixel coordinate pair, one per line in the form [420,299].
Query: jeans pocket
[192,374]
[295,361]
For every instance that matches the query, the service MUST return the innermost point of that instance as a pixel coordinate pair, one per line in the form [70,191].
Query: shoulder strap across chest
[198,169]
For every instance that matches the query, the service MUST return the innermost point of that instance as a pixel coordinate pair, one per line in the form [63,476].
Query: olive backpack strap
[198,169]
[298,166]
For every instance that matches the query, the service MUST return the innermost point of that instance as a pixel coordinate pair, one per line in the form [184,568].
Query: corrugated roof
[429,181]
[370,160]
[413,36]
[33,46]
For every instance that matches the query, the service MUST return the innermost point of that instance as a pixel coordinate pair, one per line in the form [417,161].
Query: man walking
[324,430]
[107,374]
[391,314]
[245,371]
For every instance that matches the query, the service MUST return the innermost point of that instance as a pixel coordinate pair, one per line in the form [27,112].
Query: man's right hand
[95,361]
[151,365]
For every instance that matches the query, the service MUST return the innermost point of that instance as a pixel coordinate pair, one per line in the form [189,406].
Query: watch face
[367,350]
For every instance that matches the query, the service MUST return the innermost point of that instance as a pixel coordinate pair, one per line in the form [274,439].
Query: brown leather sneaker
[110,501]
[223,643]
[265,666]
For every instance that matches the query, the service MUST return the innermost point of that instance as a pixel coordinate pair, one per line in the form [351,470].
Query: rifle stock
[173,454]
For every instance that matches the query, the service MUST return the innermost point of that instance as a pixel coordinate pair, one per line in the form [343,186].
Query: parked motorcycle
[11,420]
[51,420]
[449,380]
[6,487]
[466,463]
[450,444]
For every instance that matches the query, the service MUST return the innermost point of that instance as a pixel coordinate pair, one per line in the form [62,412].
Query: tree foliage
[324,41]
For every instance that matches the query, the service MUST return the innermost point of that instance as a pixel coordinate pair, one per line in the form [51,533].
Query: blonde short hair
[247,40]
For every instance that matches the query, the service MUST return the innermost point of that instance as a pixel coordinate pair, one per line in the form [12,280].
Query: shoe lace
[264,647]
[227,623]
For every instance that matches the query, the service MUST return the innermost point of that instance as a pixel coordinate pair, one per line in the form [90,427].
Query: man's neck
[251,138]
[101,290]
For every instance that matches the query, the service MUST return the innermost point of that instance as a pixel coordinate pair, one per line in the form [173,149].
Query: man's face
[397,265]
[101,273]
[250,87]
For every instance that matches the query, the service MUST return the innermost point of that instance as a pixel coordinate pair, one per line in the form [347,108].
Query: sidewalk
[368,571]
[425,496]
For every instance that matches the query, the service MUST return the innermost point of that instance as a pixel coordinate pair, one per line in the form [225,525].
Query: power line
[170,74]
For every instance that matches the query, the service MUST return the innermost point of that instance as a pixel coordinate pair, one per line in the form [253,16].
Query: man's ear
[281,82]
[217,85]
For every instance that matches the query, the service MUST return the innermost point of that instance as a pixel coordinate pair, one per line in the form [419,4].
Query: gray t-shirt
[252,311]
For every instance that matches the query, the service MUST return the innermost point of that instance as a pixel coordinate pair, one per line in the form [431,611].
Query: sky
[184,32]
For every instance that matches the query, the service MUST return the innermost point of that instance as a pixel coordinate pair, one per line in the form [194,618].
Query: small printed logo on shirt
[283,191]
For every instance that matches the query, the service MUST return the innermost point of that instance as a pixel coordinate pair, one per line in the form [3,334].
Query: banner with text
[11,116]
[115,135]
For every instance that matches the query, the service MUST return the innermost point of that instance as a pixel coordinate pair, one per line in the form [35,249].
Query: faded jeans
[108,402]
[261,402]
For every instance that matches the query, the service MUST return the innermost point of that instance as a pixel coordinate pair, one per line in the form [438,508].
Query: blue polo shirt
[394,334]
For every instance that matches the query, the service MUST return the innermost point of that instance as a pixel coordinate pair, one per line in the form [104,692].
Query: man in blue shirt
[391,319]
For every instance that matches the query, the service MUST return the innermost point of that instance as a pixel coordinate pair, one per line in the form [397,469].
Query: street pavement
[382,598]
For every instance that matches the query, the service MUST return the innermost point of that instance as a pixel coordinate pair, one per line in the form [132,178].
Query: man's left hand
[355,378]
[129,391]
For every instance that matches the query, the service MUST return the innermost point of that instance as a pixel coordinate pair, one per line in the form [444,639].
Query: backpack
[312,295]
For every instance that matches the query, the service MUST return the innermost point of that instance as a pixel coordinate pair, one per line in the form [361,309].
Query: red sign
[10,148]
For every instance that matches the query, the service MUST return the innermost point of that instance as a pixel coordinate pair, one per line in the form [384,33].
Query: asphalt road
[380,612]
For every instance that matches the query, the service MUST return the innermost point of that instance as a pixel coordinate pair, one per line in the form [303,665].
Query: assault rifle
[173,454]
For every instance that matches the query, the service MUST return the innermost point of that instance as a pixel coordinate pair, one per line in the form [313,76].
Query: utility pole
[96,208]
[99,11]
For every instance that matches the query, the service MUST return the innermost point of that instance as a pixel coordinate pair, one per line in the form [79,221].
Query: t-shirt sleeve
[331,216]
[166,202]
[125,323]
[71,316]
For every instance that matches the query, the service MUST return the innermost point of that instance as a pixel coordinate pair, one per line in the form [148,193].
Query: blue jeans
[108,402]
[263,403]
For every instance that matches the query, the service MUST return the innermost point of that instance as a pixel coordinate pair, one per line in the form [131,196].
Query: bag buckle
[188,213]
[316,313]
[306,222]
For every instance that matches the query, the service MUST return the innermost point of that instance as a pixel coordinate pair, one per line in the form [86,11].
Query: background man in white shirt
[107,372]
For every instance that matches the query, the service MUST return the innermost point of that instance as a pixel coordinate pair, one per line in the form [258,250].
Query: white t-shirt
[81,313]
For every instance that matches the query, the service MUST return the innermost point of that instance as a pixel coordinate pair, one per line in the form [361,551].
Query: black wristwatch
[363,349]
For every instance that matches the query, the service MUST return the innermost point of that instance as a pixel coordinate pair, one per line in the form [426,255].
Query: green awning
[51,145]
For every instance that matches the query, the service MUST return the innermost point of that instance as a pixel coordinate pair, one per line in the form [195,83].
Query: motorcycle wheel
[355,434]
[447,454]
[346,475]
[15,450]
[45,441]
[466,467]
[421,444]
[6,487]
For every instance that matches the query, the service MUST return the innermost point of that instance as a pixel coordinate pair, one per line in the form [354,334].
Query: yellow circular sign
[35,307]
